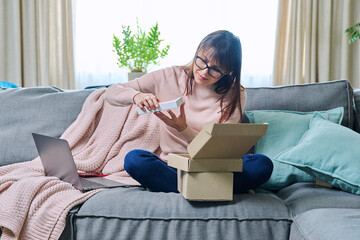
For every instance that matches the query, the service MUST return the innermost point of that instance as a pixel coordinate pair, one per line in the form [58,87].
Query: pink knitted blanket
[33,206]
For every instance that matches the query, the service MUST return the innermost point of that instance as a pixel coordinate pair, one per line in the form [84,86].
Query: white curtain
[311,43]
[36,43]
[182,24]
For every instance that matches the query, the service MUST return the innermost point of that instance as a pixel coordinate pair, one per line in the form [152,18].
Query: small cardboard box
[213,154]
[163,106]
[206,186]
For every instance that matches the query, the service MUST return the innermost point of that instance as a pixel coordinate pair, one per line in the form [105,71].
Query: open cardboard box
[206,173]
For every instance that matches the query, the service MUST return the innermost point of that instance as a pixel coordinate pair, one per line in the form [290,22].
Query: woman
[211,91]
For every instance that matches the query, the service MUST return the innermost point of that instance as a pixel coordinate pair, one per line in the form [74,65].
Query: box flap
[185,163]
[225,140]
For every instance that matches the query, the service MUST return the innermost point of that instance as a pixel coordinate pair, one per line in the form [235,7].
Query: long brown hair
[226,50]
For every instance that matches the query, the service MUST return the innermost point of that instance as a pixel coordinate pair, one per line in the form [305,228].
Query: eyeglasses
[213,72]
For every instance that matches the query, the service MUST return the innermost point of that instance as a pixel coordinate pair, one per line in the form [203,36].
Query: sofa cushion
[44,110]
[285,130]
[329,224]
[329,152]
[286,127]
[302,197]
[133,213]
[303,98]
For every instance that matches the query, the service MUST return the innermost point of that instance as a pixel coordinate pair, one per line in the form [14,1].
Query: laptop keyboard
[90,185]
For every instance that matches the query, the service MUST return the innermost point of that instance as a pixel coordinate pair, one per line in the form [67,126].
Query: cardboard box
[206,186]
[227,140]
[204,173]
[186,163]
[163,106]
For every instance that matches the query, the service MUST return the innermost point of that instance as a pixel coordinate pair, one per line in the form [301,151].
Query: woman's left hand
[177,122]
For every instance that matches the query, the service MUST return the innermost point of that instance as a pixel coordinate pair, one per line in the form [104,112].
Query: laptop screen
[56,157]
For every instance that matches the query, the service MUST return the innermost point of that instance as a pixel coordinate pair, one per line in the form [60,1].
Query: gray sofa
[299,211]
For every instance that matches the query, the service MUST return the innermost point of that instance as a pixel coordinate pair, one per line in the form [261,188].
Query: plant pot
[133,75]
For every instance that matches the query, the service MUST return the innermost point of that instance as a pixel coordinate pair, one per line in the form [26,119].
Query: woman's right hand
[148,100]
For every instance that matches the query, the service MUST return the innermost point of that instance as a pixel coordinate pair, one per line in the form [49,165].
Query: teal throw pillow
[329,152]
[8,85]
[285,130]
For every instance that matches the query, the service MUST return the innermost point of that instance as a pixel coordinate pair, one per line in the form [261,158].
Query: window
[183,24]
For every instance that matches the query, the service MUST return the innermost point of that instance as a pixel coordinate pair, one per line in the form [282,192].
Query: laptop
[56,157]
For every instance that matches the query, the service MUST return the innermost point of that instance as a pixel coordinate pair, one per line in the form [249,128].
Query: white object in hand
[163,106]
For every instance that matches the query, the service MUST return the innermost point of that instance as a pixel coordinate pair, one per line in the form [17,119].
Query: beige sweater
[33,206]
[201,106]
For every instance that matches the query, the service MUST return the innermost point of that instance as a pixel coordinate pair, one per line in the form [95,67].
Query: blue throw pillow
[329,152]
[285,130]
[8,85]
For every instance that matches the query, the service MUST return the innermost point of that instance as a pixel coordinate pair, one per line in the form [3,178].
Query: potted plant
[353,32]
[137,50]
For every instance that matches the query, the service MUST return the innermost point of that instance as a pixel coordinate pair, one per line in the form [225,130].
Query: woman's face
[206,72]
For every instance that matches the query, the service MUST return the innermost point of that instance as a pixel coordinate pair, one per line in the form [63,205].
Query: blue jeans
[153,173]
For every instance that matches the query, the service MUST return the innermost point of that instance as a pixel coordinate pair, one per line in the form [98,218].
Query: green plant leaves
[136,51]
[353,32]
